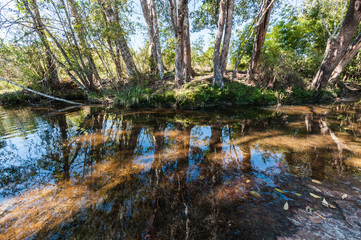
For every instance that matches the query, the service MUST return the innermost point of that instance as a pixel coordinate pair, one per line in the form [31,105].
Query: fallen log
[41,94]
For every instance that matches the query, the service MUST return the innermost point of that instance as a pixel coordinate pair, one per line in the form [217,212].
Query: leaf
[314,195]
[255,194]
[320,216]
[248,181]
[279,190]
[316,181]
[285,207]
[332,206]
[325,203]
[298,194]
[344,196]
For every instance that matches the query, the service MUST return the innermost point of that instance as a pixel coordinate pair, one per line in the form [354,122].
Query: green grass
[202,94]
[195,95]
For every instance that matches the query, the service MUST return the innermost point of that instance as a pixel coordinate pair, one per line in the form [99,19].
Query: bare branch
[41,94]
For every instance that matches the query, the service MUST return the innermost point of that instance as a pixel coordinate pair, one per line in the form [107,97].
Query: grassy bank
[194,95]
[202,94]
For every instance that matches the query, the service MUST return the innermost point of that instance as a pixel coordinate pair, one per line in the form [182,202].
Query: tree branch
[41,94]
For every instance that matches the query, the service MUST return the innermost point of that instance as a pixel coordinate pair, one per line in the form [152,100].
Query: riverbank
[197,94]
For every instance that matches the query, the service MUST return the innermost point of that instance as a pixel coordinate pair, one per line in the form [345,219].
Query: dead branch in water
[41,94]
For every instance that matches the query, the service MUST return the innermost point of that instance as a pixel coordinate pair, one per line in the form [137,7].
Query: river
[286,172]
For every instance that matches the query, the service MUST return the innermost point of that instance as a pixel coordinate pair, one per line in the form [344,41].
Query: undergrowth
[200,95]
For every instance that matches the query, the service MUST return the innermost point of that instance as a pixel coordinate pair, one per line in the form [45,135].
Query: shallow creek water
[94,173]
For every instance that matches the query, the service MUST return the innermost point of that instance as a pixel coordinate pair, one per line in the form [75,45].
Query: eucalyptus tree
[222,15]
[342,46]
[111,16]
[68,66]
[224,32]
[151,21]
[178,12]
[260,34]
[80,29]
[51,78]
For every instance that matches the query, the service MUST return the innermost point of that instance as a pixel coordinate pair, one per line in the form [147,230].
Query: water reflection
[164,174]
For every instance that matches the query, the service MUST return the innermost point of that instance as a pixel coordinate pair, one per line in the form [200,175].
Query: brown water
[92,173]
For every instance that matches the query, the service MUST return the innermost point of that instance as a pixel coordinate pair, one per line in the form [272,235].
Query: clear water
[93,173]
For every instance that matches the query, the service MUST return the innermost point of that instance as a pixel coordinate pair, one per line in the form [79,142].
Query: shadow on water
[90,173]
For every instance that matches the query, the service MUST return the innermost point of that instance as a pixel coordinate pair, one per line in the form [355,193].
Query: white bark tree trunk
[187,48]
[179,32]
[217,63]
[148,17]
[157,39]
[91,69]
[120,42]
[227,35]
[51,77]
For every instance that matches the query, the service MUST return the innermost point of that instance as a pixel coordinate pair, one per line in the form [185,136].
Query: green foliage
[169,53]
[296,96]
[294,48]
[26,64]
[13,98]
[196,95]
[202,59]
[133,96]
[234,93]
[237,47]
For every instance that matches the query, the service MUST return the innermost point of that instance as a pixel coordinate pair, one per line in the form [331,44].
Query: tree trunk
[111,17]
[187,61]
[51,77]
[147,13]
[260,36]
[115,55]
[351,51]
[116,59]
[217,64]
[227,36]
[179,33]
[80,31]
[339,50]
[47,46]
[157,39]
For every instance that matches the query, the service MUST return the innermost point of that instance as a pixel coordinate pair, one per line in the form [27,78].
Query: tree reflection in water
[162,174]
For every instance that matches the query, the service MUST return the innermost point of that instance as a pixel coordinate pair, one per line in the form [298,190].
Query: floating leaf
[314,195]
[332,206]
[248,181]
[279,190]
[298,194]
[316,181]
[285,207]
[320,216]
[255,194]
[325,203]
[344,196]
